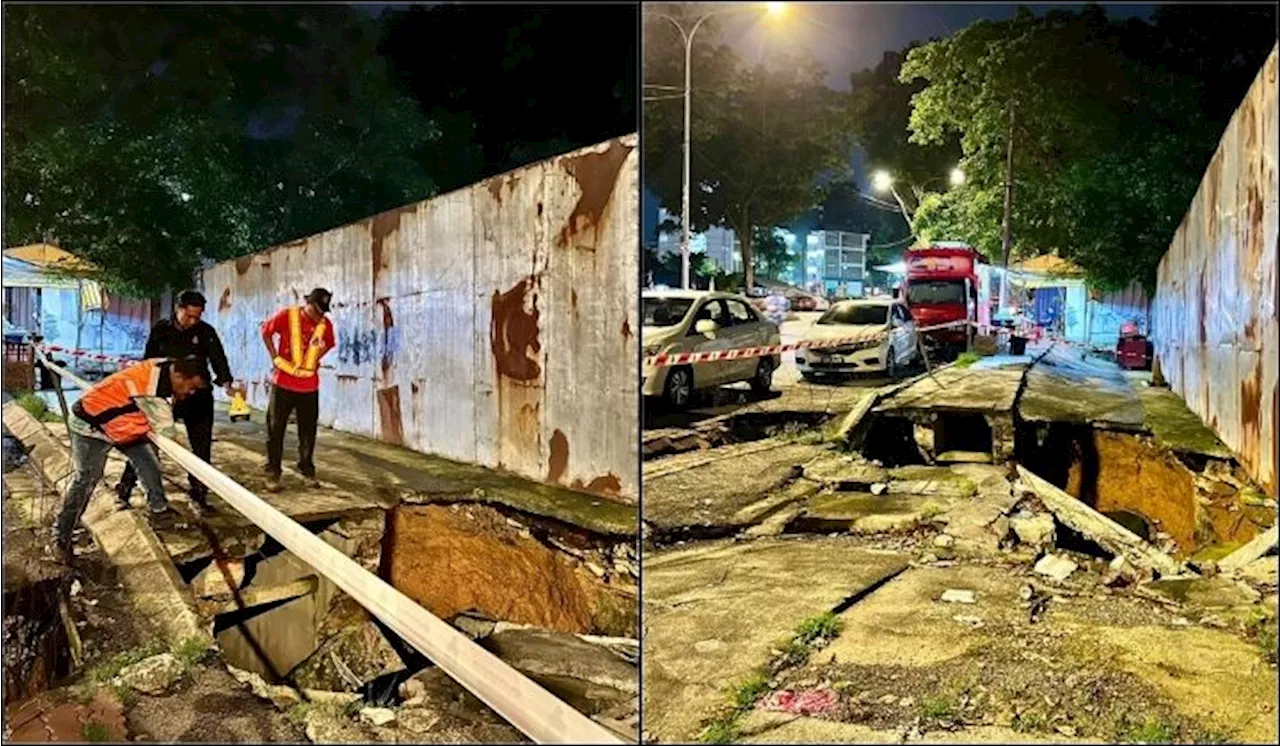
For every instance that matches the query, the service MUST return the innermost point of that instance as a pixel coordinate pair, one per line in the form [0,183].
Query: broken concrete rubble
[1033,530]
[1055,566]
[151,675]
[1093,525]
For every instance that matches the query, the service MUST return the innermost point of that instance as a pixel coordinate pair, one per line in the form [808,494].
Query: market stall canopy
[43,266]
[1046,270]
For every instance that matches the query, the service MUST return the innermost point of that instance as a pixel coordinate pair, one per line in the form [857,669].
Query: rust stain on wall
[513,331]
[243,264]
[573,300]
[391,429]
[225,301]
[596,174]
[387,320]
[626,331]
[495,185]
[381,227]
[559,460]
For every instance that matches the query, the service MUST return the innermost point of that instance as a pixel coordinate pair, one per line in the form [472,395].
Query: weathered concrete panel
[1215,324]
[494,324]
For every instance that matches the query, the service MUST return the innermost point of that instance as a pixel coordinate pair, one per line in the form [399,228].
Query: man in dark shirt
[181,336]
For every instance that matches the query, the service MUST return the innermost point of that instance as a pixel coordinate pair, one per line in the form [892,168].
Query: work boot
[273,483]
[311,481]
[201,502]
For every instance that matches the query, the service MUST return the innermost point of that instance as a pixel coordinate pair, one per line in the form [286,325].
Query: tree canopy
[150,139]
[1112,126]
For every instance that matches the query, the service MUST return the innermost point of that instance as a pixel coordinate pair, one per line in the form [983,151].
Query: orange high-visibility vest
[109,406]
[302,365]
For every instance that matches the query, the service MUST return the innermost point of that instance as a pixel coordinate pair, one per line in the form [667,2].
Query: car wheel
[678,389]
[762,383]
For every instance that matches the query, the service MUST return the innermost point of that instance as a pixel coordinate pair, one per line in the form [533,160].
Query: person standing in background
[180,337]
[305,337]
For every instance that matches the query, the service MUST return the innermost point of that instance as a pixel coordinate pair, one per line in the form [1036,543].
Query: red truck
[942,285]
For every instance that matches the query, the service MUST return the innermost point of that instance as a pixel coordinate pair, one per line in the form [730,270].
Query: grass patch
[191,651]
[35,406]
[105,671]
[1028,722]
[745,694]
[1261,629]
[937,708]
[723,730]
[95,732]
[1151,730]
[931,510]
[823,626]
[965,359]
[298,713]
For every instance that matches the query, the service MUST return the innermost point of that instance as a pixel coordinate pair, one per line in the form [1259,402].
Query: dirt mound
[459,558]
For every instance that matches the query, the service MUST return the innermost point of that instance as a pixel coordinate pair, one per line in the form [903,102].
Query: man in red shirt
[305,336]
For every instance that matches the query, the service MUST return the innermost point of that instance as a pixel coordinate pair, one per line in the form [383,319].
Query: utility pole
[1008,209]
[684,188]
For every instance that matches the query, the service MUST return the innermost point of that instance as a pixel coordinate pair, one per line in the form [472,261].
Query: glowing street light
[881,181]
[957,176]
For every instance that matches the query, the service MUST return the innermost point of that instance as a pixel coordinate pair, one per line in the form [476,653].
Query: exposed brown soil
[1135,476]
[460,558]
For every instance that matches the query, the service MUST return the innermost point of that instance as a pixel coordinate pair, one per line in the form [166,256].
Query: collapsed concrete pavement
[543,576]
[1023,550]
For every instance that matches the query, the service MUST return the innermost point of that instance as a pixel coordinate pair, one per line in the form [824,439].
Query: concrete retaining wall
[1215,311]
[493,325]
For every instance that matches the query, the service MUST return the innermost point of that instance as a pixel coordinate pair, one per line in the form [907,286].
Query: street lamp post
[687,36]
[883,181]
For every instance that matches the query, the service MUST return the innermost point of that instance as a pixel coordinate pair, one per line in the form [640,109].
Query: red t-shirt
[278,326]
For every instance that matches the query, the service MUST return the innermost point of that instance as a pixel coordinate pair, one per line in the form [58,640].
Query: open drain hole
[962,432]
[891,441]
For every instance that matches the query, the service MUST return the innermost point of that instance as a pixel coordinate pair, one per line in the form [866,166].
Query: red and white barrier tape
[666,359]
[96,357]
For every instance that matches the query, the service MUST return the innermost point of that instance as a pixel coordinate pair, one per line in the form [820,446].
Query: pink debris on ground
[807,702]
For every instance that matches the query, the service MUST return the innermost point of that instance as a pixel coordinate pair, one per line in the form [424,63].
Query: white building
[836,259]
[719,244]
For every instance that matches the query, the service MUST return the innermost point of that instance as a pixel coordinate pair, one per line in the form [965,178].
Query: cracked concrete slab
[712,491]
[715,610]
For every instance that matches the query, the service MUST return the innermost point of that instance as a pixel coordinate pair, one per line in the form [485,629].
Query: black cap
[320,297]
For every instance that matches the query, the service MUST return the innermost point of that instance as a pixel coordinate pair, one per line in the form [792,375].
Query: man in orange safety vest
[107,416]
[305,336]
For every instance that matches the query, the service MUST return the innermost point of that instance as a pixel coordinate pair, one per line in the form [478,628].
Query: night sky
[853,36]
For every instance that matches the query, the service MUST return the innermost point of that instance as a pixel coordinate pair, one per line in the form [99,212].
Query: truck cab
[942,286]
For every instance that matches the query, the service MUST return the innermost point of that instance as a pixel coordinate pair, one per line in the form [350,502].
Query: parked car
[678,321]
[808,302]
[890,353]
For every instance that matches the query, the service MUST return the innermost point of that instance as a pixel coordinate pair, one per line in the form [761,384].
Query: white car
[891,345]
[696,321]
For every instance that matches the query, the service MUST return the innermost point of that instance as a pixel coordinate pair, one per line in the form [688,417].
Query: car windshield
[665,311]
[936,291]
[853,314]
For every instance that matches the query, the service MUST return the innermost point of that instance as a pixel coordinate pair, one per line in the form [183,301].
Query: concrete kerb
[147,572]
